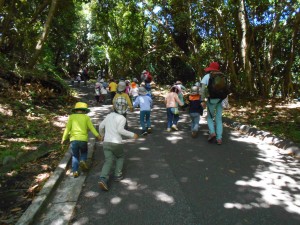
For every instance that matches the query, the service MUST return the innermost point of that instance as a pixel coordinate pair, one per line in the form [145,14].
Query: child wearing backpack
[195,110]
[214,90]
[112,128]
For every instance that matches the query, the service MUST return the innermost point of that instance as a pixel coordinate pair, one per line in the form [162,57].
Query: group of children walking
[114,126]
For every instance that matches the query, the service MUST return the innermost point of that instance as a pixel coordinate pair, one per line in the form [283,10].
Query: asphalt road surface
[174,179]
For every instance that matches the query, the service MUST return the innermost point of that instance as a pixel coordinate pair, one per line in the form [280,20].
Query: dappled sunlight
[60,121]
[5,110]
[137,112]
[184,179]
[184,118]
[159,121]
[130,184]
[144,148]
[29,148]
[154,176]
[131,140]
[142,138]
[95,111]
[275,180]
[82,95]
[18,140]
[134,159]
[115,200]
[174,139]
[102,211]
[133,206]
[163,197]
[81,221]
[91,194]
[4,145]
[32,118]
[245,206]
[246,139]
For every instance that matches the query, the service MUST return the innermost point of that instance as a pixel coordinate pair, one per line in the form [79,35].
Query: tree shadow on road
[171,178]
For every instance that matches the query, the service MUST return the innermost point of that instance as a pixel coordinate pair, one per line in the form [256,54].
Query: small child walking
[112,128]
[134,91]
[76,130]
[98,87]
[145,103]
[195,110]
[172,101]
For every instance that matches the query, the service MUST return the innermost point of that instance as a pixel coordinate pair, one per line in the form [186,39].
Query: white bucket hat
[121,86]
[194,90]
[142,91]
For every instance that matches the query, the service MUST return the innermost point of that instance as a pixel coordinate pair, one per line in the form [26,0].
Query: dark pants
[112,95]
[172,118]
[79,150]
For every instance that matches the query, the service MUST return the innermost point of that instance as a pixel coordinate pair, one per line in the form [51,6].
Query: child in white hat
[195,109]
[145,103]
[112,128]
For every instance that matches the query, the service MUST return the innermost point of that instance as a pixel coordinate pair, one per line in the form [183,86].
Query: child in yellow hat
[76,130]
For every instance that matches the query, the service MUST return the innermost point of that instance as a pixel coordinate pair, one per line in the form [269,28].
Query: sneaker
[194,134]
[211,138]
[174,127]
[144,133]
[118,178]
[103,184]
[75,174]
[168,129]
[149,130]
[219,141]
[83,166]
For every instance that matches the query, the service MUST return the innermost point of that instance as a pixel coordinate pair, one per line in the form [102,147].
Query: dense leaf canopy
[256,42]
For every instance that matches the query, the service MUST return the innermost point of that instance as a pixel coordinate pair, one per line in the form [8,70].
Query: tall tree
[44,35]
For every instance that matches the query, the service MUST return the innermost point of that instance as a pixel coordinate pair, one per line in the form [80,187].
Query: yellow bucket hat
[81,106]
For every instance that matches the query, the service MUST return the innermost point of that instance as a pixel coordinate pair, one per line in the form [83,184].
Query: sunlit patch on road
[275,181]
[163,197]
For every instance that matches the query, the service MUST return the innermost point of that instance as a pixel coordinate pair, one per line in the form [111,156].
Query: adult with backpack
[146,78]
[214,90]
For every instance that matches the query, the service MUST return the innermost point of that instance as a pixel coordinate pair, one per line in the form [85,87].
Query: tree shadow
[172,178]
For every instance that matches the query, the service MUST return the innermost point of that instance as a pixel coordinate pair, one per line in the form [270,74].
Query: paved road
[173,179]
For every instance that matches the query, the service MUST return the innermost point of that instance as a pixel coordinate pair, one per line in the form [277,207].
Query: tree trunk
[288,86]
[43,38]
[245,45]
[228,51]
[270,55]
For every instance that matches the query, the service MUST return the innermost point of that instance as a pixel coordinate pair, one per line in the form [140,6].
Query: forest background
[43,43]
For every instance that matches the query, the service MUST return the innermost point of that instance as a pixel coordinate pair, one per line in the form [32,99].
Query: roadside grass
[29,122]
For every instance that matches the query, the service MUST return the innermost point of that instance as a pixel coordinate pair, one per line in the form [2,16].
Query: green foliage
[126,37]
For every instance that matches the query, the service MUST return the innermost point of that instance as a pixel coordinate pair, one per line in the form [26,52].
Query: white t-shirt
[205,79]
[134,92]
[112,127]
